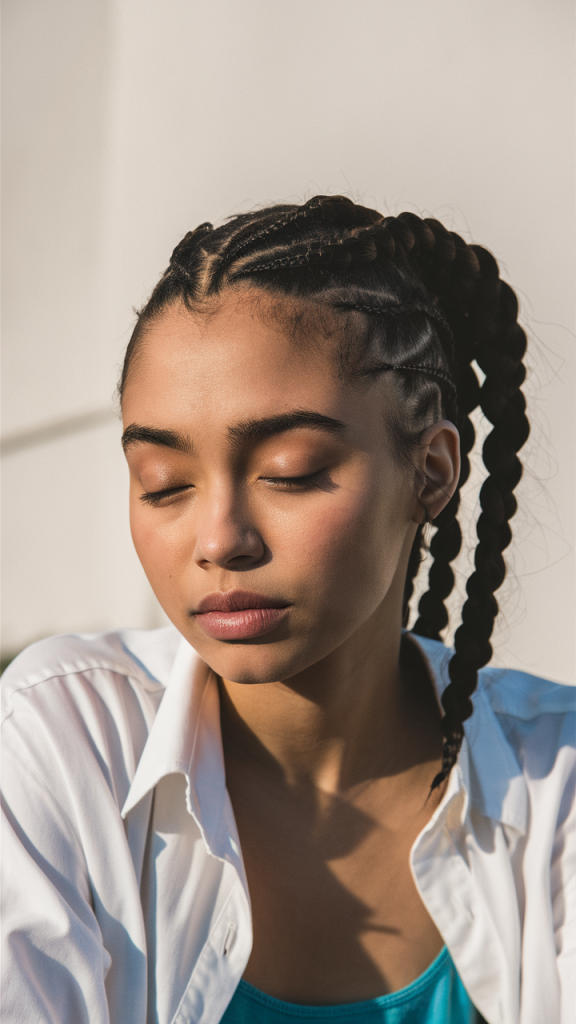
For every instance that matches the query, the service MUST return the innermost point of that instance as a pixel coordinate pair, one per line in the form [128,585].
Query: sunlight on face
[254,469]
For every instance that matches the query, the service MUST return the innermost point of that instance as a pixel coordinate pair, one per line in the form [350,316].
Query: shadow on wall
[67,489]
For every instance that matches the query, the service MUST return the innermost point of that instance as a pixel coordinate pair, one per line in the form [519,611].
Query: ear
[438,462]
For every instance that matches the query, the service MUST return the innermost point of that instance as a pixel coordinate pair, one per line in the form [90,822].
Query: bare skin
[331,730]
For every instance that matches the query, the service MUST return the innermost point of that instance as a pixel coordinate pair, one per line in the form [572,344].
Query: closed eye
[156,498]
[295,483]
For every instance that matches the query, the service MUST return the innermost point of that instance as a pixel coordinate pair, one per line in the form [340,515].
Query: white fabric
[126,898]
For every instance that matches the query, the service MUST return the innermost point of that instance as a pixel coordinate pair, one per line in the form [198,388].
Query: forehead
[250,355]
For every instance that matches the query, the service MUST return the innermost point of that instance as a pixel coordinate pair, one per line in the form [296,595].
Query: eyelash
[285,483]
[155,497]
[292,483]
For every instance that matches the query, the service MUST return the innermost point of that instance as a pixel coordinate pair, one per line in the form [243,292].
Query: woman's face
[255,471]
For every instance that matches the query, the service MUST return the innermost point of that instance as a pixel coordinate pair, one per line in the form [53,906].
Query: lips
[239,614]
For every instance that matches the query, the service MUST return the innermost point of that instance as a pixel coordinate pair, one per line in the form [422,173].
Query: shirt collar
[185,738]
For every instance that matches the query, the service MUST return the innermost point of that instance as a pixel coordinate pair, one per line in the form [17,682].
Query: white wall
[130,121]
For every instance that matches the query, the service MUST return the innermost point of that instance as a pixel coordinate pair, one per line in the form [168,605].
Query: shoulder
[524,696]
[85,696]
[537,717]
[76,714]
[519,756]
[509,692]
[143,657]
[522,725]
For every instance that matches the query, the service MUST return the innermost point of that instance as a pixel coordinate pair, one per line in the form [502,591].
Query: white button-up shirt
[126,896]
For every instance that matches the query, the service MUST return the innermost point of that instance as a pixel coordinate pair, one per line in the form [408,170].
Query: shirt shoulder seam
[28,684]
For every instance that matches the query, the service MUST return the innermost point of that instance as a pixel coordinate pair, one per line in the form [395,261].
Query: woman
[285,805]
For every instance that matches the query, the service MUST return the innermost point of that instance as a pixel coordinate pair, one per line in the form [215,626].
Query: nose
[227,537]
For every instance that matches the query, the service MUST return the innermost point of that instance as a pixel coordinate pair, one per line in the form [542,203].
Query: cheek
[160,546]
[352,544]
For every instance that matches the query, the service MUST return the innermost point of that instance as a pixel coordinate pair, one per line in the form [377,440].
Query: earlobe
[439,470]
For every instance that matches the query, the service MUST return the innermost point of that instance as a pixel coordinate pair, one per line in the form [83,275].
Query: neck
[359,714]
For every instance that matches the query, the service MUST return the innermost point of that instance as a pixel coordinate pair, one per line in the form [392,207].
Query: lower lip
[241,625]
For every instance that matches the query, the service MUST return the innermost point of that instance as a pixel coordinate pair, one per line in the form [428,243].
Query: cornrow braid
[427,370]
[398,309]
[294,216]
[337,246]
[432,308]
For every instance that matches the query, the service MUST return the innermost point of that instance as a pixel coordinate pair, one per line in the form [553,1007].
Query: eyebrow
[260,430]
[241,433]
[136,434]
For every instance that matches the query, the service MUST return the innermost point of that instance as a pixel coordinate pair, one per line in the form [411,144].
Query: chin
[250,666]
[253,662]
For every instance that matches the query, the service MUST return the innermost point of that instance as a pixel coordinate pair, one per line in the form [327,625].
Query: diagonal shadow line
[23,439]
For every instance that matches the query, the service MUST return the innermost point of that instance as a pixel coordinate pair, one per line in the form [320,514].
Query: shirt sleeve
[54,962]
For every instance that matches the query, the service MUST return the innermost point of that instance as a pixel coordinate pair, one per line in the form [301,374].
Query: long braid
[433,305]
[482,311]
[500,350]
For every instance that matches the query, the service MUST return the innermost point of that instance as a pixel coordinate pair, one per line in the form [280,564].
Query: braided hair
[433,308]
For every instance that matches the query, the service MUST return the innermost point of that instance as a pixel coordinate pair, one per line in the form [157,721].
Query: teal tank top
[436,997]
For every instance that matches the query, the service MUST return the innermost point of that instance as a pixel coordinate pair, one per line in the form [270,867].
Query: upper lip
[236,601]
